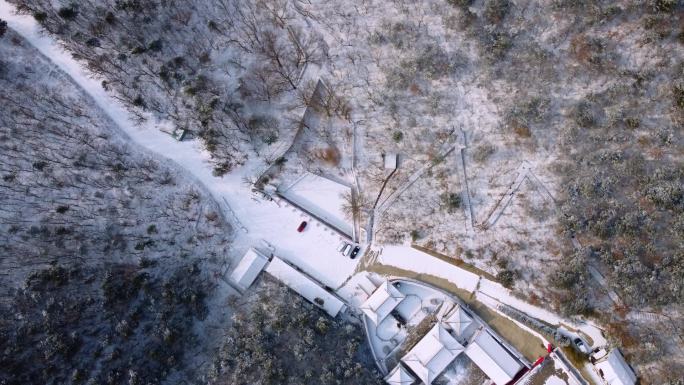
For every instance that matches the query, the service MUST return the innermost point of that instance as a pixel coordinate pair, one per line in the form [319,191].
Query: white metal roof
[248,269]
[459,322]
[366,285]
[433,353]
[390,161]
[493,359]
[615,369]
[304,286]
[381,303]
[400,376]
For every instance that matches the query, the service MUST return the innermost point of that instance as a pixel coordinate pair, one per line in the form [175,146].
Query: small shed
[614,370]
[391,161]
[179,134]
[248,269]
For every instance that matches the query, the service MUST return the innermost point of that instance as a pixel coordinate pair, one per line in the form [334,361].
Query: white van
[341,247]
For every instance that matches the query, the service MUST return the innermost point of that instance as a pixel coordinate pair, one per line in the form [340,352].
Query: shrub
[496,10]
[40,16]
[414,235]
[433,62]
[156,45]
[495,45]
[584,116]
[460,3]
[521,130]
[506,278]
[632,122]
[139,101]
[452,201]
[68,13]
[397,136]
[665,6]
[222,168]
[93,42]
[678,92]
[483,152]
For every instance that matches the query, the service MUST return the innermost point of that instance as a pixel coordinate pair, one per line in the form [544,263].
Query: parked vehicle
[301,227]
[355,252]
[347,250]
[341,247]
[580,345]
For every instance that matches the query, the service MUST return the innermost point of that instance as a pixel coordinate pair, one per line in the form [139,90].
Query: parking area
[314,250]
[323,198]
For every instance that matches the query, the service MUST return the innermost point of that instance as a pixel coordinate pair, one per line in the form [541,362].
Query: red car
[301,227]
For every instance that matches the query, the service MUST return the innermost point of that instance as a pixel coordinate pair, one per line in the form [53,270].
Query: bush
[584,116]
[139,101]
[40,16]
[678,93]
[452,201]
[460,3]
[156,45]
[152,229]
[68,13]
[665,6]
[397,136]
[483,152]
[496,10]
[495,45]
[433,62]
[506,278]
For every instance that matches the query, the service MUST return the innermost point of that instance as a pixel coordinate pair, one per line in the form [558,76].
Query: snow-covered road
[314,250]
[485,290]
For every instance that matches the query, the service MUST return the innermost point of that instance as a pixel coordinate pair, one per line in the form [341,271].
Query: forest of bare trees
[279,338]
[232,78]
[106,251]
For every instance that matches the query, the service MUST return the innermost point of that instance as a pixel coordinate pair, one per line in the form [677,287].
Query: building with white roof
[390,161]
[248,269]
[305,286]
[491,357]
[432,354]
[460,323]
[381,303]
[614,370]
[400,376]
